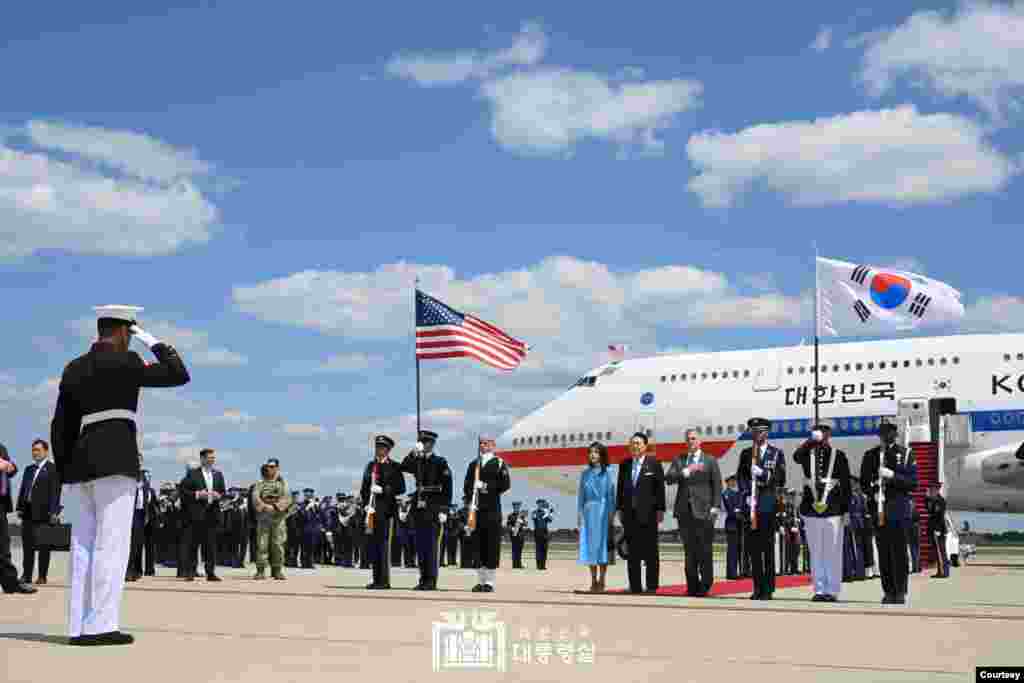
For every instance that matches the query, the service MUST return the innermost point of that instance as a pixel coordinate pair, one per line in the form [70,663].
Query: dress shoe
[189,578]
[23,588]
[488,588]
[213,577]
[372,586]
[831,598]
[819,598]
[479,588]
[111,638]
[899,600]
[652,591]
[756,596]
[41,581]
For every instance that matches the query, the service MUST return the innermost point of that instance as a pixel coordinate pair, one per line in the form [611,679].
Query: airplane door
[767,377]
[914,419]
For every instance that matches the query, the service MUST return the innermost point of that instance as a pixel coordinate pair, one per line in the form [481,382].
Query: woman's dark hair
[265,471]
[602,450]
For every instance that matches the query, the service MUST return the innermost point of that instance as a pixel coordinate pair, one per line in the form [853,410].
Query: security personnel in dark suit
[541,533]
[95,448]
[764,466]
[937,530]
[143,518]
[38,505]
[487,478]
[431,499]
[202,490]
[890,465]
[382,481]
[293,532]
[8,572]
[731,504]
[309,524]
[517,533]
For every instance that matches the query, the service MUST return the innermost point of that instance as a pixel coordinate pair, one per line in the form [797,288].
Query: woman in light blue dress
[595,504]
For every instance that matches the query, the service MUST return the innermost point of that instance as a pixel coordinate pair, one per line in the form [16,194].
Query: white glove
[442,518]
[143,336]
[885,473]
[817,435]
[480,486]
[371,510]
[419,447]
[686,472]
[846,519]
[714,512]
[376,488]
[756,470]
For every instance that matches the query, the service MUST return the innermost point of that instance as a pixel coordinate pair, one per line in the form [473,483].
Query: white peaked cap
[117,312]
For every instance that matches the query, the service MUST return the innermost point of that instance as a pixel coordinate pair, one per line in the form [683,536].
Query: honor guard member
[431,499]
[731,506]
[935,505]
[825,502]
[382,481]
[487,478]
[541,519]
[451,527]
[516,531]
[96,453]
[761,472]
[890,466]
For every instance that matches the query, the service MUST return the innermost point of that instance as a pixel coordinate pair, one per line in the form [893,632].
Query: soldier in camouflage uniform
[271,501]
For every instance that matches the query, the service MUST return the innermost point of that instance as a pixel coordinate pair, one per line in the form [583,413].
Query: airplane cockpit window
[585,382]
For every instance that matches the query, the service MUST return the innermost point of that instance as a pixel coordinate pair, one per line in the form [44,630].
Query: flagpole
[817,323]
[416,355]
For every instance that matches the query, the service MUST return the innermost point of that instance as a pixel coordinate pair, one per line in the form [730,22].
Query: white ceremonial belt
[104,415]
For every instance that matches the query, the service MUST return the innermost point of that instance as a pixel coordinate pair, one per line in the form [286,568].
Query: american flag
[443,332]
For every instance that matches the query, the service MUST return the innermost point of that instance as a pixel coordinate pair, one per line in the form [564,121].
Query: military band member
[891,466]
[853,556]
[431,499]
[542,517]
[935,505]
[826,500]
[762,465]
[382,481]
[142,542]
[517,533]
[96,452]
[409,526]
[487,478]
[293,527]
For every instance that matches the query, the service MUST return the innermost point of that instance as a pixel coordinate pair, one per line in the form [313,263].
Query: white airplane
[976,381]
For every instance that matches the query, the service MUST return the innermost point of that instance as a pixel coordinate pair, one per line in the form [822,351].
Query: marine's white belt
[104,415]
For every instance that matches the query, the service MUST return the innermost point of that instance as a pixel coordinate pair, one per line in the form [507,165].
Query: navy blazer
[899,491]
[45,500]
[771,480]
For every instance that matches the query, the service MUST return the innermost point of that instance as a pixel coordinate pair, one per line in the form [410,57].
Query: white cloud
[997,313]
[550,110]
[351,362]
[234,417]
[976,52]
[97,191]
[527,49]
[165,439]
[894,156]
[193,345]
[304,430]
[135,154]
[823,40]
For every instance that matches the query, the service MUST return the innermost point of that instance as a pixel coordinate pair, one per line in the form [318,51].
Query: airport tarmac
[323,621]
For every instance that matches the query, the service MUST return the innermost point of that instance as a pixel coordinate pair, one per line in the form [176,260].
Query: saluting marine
[487,478]
[431,499]
[891,467]
[96,453]
[382,481]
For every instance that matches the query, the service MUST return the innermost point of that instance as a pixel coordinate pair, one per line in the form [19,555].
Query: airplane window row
[857,424]
[1009,357]
[836,367]
[555,439]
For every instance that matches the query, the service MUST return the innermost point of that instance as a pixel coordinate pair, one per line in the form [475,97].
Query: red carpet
[732,587]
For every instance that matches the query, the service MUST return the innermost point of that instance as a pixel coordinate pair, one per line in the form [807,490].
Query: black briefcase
[55,537]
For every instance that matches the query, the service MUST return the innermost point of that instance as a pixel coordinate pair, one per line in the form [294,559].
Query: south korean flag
[860,299]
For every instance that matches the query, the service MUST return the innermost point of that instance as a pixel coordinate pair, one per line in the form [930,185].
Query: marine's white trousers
[825,543]
[101,534]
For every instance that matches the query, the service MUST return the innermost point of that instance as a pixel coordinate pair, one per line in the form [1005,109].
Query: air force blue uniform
[433,496]
[761,541]
[892,535]
[731,505]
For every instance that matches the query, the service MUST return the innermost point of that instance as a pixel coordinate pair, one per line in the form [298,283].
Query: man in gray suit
[700,490]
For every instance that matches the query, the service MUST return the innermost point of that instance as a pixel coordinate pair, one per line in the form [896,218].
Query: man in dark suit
[640,505]
[202,490]
[890,465]
[700,493]
[95,447]
[761,474]
[38,505]
[143,519]
[8,572]
[731,507]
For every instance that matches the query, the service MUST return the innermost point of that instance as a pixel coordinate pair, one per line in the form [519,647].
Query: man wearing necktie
[142,520]
[8,572]
[641,508]
[38,505]
[700,493]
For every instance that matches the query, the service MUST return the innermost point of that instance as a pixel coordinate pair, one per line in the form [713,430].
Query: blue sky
[268,181]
